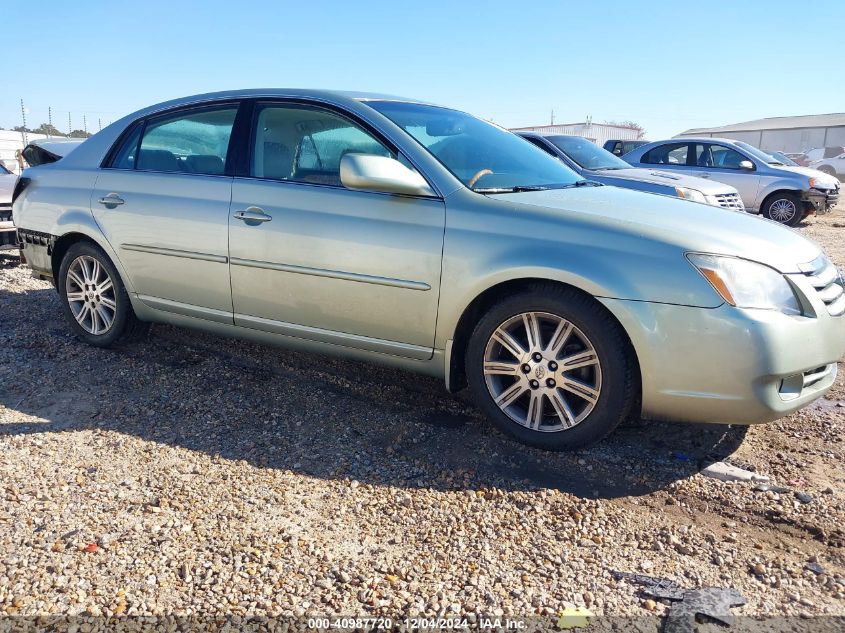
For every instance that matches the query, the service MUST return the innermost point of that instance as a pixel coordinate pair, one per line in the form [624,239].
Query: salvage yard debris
[711,602]
[726,472]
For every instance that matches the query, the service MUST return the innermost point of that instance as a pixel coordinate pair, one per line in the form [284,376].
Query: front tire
[827,169]
[785,208]
[94,299]
[552,368]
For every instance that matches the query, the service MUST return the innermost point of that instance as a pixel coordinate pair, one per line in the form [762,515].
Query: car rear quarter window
[124,157]
[194,142]
[667,154]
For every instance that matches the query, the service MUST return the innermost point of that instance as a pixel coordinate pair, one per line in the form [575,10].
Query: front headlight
[694,195]
[746,284]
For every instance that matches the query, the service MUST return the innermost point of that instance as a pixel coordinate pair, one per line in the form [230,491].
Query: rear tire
[784,207]
[94,299]
[566,385]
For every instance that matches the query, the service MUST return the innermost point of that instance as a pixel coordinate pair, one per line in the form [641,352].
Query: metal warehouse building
[596,132]
[784,133]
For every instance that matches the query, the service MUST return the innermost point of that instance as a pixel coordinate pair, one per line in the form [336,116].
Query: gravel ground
[192,475]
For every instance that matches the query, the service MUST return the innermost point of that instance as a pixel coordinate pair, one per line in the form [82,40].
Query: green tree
[50,130]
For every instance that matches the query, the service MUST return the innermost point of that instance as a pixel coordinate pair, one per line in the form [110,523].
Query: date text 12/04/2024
[422,623]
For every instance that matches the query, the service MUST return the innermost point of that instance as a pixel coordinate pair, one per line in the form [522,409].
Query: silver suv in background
[777,191]
[598,165]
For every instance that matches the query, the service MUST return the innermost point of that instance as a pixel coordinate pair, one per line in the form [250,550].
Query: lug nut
[550,382]
[526,368]
[534,384]
[537,356]
[553,365]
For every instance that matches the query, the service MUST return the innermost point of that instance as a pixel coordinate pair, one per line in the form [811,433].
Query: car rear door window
[300,143]
[667,154]
[194,142]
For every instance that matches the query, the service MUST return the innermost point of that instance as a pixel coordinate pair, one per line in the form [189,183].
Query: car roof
[332,95]
[700,139]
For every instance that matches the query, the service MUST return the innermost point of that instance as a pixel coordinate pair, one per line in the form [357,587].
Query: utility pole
[84,124]
[100,124]
[553,116]
[49,120]
[69,125]
[23,118]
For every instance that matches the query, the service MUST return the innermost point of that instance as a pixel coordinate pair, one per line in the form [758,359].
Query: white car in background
[7,228]
[834,166]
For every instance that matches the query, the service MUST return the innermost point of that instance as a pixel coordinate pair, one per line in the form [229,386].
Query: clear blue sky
[666,65]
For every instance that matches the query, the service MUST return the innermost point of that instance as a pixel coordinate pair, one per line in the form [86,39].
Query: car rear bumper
[728,365]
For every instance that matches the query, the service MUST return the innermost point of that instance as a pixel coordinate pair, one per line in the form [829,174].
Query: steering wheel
[477,177]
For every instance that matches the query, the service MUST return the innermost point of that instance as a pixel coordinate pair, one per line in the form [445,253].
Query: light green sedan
[389,230]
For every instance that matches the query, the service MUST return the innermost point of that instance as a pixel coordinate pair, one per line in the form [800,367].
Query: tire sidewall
[799,211]
[614,403]
[122,305]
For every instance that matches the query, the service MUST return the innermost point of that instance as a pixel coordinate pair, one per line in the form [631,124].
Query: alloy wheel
[782,210]
[542,371]
[90,294]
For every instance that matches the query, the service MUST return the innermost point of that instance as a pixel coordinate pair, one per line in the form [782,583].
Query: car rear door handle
[111,201]
[703,174]
[252,215]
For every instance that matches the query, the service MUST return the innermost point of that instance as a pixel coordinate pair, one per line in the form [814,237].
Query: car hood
[707,187]
[823,180]
[7,186]
[690,226]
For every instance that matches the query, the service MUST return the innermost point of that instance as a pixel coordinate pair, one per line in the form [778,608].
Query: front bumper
[821,201]
[729,365]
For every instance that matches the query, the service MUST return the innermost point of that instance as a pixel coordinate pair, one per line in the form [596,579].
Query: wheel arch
[785,190]
[70,233]
[482,302]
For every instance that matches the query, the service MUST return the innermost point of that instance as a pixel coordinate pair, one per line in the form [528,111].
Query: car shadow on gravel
[318,416]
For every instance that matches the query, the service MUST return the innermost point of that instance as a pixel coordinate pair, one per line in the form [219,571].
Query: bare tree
[630,124]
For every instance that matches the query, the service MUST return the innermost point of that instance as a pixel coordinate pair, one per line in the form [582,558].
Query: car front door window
[723,157]
[301,144]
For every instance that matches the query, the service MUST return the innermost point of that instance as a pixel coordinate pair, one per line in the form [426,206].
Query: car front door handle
[252,215]
[111,201]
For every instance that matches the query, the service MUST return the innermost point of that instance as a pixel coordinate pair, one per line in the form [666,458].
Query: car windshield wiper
[516,189]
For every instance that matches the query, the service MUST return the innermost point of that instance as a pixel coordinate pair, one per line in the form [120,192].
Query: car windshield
[483,156]
[586,153]
[758,154]
[783,159]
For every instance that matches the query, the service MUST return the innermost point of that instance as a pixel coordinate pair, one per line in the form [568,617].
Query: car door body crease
[157,250]
[334,274]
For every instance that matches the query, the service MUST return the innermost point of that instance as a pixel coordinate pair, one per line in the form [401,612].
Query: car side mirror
[747,165]
[369,172]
